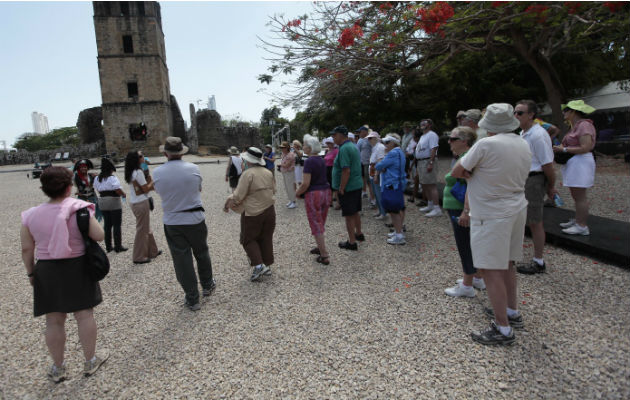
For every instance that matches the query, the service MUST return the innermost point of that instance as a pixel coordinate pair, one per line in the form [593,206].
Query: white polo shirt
[540,146]
[427,142]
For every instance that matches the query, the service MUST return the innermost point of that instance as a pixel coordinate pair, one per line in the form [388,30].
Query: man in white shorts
[496,168]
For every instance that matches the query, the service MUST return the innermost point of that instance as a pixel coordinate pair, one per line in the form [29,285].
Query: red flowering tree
[372,44]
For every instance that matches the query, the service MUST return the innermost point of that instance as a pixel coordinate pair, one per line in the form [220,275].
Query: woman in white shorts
[578,174]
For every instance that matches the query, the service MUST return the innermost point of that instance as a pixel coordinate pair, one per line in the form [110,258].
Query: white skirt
[579,171]
[299,170]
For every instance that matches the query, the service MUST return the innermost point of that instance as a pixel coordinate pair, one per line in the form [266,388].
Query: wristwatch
[564,149]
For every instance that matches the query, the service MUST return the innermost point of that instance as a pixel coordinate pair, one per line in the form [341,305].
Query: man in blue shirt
[179,185]
[270,161]
[346,179]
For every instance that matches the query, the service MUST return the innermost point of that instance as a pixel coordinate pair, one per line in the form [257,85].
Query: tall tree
[380,45]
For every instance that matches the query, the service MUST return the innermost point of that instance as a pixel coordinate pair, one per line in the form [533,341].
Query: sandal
[323,260]
[315,250]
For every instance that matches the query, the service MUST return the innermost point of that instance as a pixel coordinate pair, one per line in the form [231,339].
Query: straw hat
[173,146]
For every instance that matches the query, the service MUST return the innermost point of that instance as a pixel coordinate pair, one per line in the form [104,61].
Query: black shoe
[120,249]
[158,253]
[493,336]
[515,321]
[315,250]
[531,268]
[109,249]
[411,199]
[208,291]
[323,260]
[348,246]
[148,260]
[360,237]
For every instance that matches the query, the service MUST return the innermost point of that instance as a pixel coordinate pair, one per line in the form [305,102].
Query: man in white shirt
[496,169]
[378,153]
[179,185]
[427,168]
[541,180]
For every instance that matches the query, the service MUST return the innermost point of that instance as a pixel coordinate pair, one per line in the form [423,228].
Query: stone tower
[137,104]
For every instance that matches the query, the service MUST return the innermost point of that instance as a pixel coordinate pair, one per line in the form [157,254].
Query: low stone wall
[90,150]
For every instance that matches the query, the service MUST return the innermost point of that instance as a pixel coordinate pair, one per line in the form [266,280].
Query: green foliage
[55,139]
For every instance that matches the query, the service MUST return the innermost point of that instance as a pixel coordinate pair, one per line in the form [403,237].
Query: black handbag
[151,205]
[95,259]
[562,157]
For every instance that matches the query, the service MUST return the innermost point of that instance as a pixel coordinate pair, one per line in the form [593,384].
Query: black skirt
[63,286]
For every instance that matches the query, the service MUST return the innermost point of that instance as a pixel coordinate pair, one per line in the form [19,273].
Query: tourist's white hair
[313,143]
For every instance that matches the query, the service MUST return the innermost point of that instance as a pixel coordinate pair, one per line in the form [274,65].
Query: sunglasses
[519,113]
[453,139]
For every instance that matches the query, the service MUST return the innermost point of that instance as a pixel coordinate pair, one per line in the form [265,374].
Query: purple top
[316,166]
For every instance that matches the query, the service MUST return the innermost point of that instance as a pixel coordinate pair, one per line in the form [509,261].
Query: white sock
[93,358]
[430,204]
[475,279]
[539,261]
[505,330]
[464,286]
[512,313]
[258,266]
[399,235]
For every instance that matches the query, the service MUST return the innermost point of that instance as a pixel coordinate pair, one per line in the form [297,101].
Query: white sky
[48,53]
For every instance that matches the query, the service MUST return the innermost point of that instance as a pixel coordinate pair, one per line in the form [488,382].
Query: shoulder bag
[95,260]
[562,157]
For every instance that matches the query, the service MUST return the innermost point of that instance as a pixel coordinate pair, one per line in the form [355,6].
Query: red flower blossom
[539,10]
[374,36]
[384,7]
[348,36]
[572,6]
[496,4]
[613,6]
[431,19]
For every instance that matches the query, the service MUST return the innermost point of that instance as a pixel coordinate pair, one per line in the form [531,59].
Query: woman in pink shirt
[60,283]
[578,174]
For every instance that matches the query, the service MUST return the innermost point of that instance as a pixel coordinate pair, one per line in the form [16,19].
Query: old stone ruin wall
[89,150]
[213,138]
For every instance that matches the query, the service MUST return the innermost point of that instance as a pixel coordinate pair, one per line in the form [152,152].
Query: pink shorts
[317,203]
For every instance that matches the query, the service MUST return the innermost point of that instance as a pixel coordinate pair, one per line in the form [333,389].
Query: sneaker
[90,367]
[292,205]
[516,321]
[193,307]
[436,212]
[493,336]
[289,203]
[360,237]
[568,224]
[57,374]
[208,291]
[577,230]
[266,270]
[477,283]
[373,203]
[425,209]
[364,195]
[396,240]
[348,246]
[460,291]
[380,217]
[393,233]
[257,272]
[531,268]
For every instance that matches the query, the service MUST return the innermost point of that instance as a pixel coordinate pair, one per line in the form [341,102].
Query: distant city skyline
[211,49]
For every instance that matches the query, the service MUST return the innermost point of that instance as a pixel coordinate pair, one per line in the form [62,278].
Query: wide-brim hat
[107,163]
[473,113]
[173,146]
[579,105]
[253,155]
[373,134]
[85,161]
[284,145]
[234,151]
[499,118]
[391,137]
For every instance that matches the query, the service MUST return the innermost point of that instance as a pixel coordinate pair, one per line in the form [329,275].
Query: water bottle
[558,200]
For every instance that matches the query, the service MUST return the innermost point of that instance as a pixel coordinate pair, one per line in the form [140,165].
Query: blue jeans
[376,189]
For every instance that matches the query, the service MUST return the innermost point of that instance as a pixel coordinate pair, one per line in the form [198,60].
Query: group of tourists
[495,187]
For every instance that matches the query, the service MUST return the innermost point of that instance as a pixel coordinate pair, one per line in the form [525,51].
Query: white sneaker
[577,230]
[392,234]
[460,291]
[364,195]
[568,224]
[291,205]
[436,212]
[425,209]
[400,240]
[477,283]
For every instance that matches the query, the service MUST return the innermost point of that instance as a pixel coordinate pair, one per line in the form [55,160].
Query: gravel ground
[373,324]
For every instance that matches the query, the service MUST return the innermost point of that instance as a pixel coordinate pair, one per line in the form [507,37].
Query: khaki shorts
[427,178]
[535,195]
[496,242]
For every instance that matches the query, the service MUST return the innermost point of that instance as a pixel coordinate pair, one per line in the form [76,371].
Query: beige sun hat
[173,146]
[499,118]
[234,151]
[253,155]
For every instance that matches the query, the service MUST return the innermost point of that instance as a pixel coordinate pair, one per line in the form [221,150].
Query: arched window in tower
[127,44]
